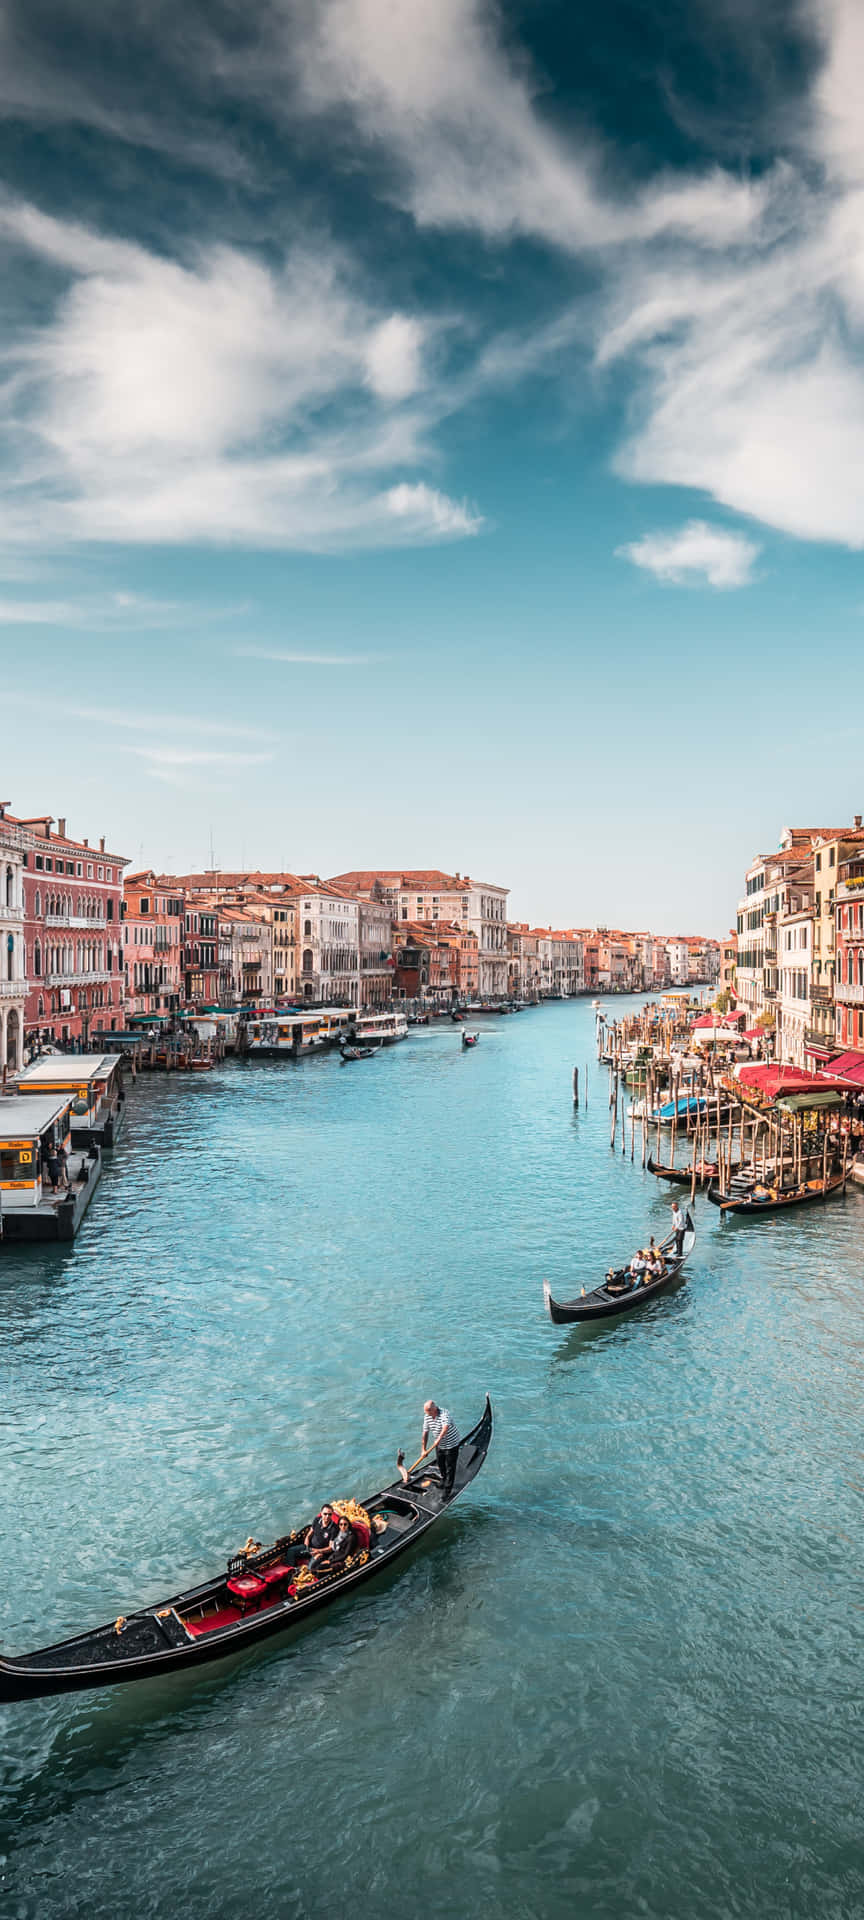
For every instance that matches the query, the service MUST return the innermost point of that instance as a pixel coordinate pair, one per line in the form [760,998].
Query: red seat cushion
[279,1571]
[246,1585]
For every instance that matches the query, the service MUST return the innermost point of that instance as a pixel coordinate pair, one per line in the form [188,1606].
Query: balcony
[821,996]
[12,916]
[13,989]
[847,996]
[76,979]
[769,993]
[72,920]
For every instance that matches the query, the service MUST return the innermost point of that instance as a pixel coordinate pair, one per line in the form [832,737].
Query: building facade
[152,946]
[795,960]
[849,978]
[13,985]
[73,896]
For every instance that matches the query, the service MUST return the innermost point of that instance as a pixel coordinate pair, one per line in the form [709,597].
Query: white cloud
[120,612]
[192,757]
[134,719]
[463,122]
[174,403]
[431,513]
[693,554]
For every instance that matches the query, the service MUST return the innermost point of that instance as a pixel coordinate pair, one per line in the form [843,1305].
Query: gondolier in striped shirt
[441,1432]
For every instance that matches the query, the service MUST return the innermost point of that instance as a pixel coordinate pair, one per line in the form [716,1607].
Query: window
[831,857]
[100,873]
[38,862]
[144,904]
[89,869]
[79,870]
[109,909]
[818,863]
[49,864]
[37,905]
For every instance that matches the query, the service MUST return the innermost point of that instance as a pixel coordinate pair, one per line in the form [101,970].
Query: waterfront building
[728,963]
[523,961]
[427,893]
[205,980]
[849,911]
[770,887]
[152,945]
[13,986]
[328,969]
[795,959]
[72,933]
[375,953]
[251,964]
[830,853]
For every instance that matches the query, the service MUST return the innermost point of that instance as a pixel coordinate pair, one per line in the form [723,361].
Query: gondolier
[441,1432]
[678,1229]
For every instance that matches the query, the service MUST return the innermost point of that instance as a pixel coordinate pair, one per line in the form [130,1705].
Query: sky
[434,436]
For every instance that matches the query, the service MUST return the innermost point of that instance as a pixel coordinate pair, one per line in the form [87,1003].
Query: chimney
[61,829]
[857,819]
[86,843]
[102,844]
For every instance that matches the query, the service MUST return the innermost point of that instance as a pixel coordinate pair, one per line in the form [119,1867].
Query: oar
[406,1472]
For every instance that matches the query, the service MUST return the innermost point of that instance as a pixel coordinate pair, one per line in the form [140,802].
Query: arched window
[41,1008]
[37,959]
[9,886]
[307,929]
[307,959]
[38,905]
[861,967]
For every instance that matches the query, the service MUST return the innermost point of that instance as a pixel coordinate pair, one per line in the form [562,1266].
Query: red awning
[847,1066]
[772,1080]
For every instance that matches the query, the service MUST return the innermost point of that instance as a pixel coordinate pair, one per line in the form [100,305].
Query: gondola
[705,1170]
[263,1591]
[358,1053]
[470,1039]
[619,1293]
[765,1199]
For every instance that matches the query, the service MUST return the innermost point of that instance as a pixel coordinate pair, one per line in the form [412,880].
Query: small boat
[358,1053]
[470,1039]
[619,1292]
[455,1015]
[705,1170]
[264,1590]
[764,1199]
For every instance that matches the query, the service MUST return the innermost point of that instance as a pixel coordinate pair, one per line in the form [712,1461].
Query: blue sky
[433,435]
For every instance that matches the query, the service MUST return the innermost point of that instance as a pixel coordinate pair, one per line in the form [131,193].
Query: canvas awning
[802,1102]
[847,1066]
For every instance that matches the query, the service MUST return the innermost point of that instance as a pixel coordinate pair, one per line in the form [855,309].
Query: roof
[68,1069]
[23,1118]
[62,841]
[427,878]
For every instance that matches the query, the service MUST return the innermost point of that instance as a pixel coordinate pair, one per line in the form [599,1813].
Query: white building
[13,985]
[328,946]
[484,912]
[679,962]
[794,963]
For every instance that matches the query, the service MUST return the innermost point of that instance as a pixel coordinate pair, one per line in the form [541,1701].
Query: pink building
[72,933]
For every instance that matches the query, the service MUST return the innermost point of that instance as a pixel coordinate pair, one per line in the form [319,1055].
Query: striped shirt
[434,1428]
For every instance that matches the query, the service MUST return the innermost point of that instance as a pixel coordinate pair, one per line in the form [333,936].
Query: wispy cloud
[306,659]
[120,612]
[695,555]
[135,720]
[183,766]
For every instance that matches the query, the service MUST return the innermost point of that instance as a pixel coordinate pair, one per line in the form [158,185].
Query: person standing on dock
[678,1229]
[441,1432]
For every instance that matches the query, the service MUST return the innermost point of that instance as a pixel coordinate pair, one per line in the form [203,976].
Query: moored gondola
[619,1292]
[263,1591]
[764,1199]
[705,1170]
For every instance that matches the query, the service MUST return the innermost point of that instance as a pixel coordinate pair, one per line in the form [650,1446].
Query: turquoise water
[622,1678]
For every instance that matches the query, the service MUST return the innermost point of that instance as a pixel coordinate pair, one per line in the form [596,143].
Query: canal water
[623,1676]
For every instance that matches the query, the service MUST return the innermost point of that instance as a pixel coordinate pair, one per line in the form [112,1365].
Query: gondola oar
[407,1471]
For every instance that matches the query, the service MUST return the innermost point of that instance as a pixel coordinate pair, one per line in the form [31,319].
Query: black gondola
[619,1292]
[263,1591]
[765,1199]
[705,1170]
[358,1053]
[470,1039]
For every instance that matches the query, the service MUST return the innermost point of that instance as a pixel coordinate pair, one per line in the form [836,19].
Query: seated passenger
[320,1536]
[638,1265]
[344,1545]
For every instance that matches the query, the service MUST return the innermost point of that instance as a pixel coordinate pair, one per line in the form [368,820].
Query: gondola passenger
[344,1544]
[320,1536]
